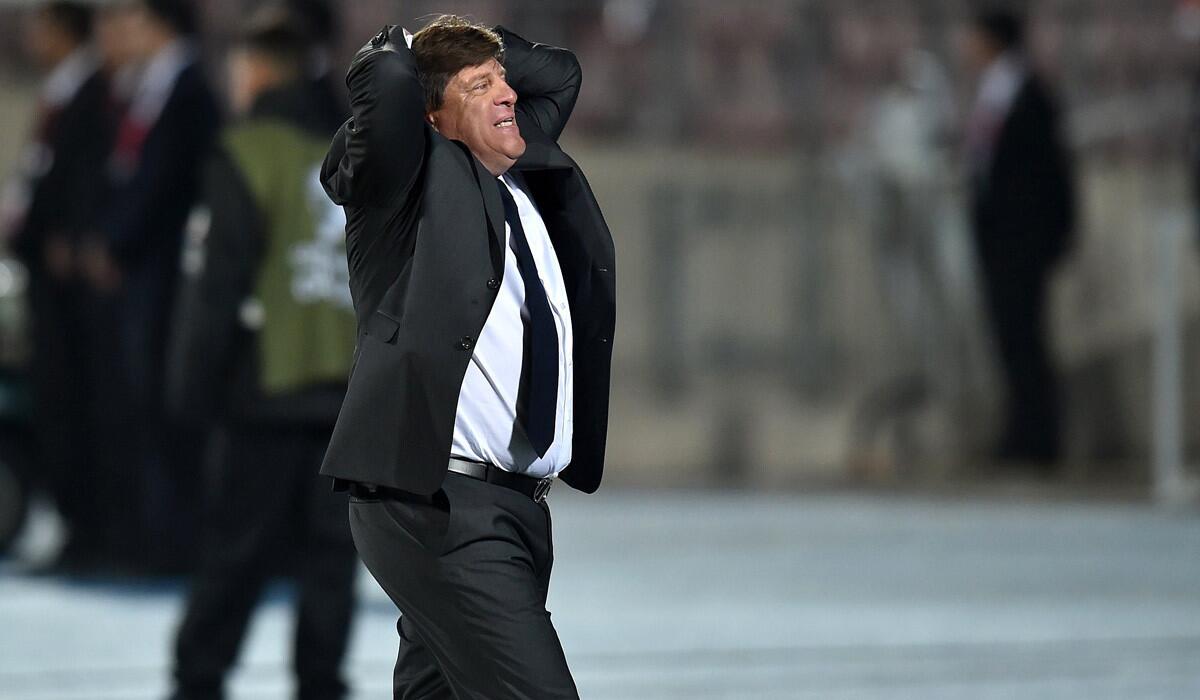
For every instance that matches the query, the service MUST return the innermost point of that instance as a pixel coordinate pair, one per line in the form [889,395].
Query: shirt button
[466,343]
[493,284]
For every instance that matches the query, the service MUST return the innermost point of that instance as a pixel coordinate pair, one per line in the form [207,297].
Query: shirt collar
[165,65]
[68,76]
[158,79]
[1000,82]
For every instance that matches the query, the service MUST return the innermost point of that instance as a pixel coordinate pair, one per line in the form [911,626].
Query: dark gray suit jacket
[1023,206]
[425,240]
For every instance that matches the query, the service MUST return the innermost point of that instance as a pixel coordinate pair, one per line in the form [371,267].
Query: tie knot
[505,194]
[511,214]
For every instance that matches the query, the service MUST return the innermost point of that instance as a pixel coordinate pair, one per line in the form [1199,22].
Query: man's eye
[479,86]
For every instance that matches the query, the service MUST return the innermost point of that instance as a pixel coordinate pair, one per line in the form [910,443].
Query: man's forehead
[480,71]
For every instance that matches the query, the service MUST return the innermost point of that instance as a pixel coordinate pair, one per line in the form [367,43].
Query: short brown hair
[447,45]
[73,18]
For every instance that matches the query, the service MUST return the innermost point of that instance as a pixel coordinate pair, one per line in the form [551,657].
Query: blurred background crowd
[909,242]
[897,244]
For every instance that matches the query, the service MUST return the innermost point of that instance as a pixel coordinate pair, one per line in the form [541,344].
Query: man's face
[46,42]
[246,77]
[978,50]
[478,110]
[114,36]
[146,32]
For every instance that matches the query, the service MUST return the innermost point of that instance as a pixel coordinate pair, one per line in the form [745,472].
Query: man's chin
[501,156]
[517,149]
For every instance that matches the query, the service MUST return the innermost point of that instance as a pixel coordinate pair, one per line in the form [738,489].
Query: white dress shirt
[68,76]
[158,80]
[998,88]
[486,427]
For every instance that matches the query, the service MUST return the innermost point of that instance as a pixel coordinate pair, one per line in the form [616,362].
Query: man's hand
[376,156]
[99,267]
[59,257]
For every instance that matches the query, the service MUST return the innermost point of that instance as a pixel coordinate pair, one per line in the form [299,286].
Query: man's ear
[432,122]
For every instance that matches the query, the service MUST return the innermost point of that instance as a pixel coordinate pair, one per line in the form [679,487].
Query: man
[482,275]
[132,263]
[50,204]
[1023,213]
[262,341]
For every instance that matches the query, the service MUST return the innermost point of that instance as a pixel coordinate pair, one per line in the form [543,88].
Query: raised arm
[546,80]
[376,155]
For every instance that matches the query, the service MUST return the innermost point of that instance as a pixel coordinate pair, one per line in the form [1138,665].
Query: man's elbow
[569,94]
[574,73]
[564,64]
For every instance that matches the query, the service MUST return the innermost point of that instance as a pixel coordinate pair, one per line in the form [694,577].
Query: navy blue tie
[540,400]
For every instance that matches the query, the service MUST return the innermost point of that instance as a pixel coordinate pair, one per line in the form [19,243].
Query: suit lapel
[492,207]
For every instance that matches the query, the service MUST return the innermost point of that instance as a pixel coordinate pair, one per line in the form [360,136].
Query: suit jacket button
[466,343]
[493,284]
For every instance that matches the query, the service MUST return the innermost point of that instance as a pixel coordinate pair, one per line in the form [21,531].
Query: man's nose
[506,95]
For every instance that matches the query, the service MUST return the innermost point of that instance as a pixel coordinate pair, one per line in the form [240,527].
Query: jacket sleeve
[545,78]
[90,146]
[376,155]
[66,198]
[1042,181]
[222,254]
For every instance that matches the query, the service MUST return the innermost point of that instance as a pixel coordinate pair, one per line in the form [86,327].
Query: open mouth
[505,122]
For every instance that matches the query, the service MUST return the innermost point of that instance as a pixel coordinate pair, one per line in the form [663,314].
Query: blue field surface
[670,594]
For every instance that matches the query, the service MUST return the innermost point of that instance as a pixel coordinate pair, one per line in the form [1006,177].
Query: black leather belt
[527,485]
[537,489]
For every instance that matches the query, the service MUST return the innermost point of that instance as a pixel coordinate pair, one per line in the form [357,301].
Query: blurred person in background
[262,344]
[1023,215]
[114,42]
[116,34]
[322,26]
[909,136]
[482,275]
[131,262]
[49,205]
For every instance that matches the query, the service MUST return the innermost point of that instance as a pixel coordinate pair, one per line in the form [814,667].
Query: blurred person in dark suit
[1023,215]
[131,261]
[262,344]
[50,204]
[482,272]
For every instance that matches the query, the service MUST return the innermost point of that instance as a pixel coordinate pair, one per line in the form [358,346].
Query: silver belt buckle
[542,489]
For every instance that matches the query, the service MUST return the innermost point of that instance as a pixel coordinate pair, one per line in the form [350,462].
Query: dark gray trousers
[268,501]
[469,568]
